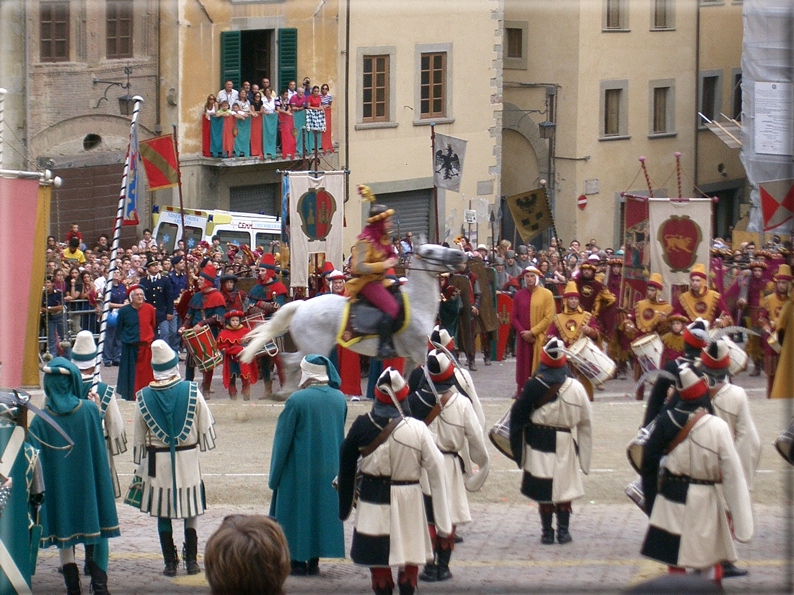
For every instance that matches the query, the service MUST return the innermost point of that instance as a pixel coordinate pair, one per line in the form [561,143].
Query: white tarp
[766,98]
[316,218]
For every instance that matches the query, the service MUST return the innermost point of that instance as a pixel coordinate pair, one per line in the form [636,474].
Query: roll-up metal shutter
[413,211]
[255,199]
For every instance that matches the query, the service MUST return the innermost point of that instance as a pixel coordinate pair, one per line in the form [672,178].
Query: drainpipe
[697,92]
[157,124]
[347,100]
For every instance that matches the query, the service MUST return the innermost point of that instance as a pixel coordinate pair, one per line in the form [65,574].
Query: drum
[783,444]
[253,321]
[591,361]
[648,350]
[500,435]
[202,347]
[738,357]
[635,447]
[635,493]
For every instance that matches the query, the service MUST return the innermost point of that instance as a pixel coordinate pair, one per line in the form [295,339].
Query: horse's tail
[278,325]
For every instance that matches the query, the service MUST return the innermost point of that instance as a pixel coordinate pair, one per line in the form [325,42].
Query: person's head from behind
[247,555]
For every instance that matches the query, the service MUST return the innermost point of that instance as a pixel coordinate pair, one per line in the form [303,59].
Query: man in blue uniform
[157,291]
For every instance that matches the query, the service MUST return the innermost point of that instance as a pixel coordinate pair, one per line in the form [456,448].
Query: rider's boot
[386,346]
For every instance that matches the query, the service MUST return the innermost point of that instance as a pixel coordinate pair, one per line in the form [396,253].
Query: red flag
[777,202]
[160,161]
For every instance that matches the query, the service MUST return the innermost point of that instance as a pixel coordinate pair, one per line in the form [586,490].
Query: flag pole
[115,245]
[179,180]
[433,162]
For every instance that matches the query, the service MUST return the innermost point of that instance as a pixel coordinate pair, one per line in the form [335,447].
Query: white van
[230,227]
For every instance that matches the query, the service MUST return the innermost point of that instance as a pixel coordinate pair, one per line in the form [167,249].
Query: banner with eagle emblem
[448,157]
[679,238]
[531,213]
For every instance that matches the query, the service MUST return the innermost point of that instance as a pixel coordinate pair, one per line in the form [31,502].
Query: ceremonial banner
[160,162]
[777,204]
[130,216]
[680,232]
[24,220]
[316,219]
[636,256]
[448,162]
[531,213]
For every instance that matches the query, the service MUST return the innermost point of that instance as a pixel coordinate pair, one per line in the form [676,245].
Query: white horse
[314,324]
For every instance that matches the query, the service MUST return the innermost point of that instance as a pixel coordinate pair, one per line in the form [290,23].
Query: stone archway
[517,119]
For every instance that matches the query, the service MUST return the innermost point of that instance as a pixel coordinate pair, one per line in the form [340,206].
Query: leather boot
[190,551]
[71,576]
[99,579]
[442,557]
[730,570]
[430,573]
[406,588]
[386,346]
[268,394]
[169,554]
[387,590]
[89,555]
[563,518]
[546,520]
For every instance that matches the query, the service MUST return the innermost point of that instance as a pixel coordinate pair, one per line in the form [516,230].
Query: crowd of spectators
[255,121]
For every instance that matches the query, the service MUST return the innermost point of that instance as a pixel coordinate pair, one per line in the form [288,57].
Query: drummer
[650,317]
[572,324]
[206,309]
[234,298]
[772,306]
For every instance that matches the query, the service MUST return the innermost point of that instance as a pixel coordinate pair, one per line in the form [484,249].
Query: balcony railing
[267,136]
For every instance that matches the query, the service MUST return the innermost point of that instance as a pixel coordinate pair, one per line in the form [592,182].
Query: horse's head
[449,258]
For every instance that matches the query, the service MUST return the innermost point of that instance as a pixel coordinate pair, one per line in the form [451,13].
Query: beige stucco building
[620,80]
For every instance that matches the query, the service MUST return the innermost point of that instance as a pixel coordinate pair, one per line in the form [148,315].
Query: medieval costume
[615,319]
[783,388]
[19,461]
[136,327]
[459,436]
[390,528]
[533,311]
[705,303]
[772,306]
[695,338]
[230,343]
[373,254]
[650,316]
[572,324]
[172,423]
[79,507]
[594,297]
[234,298]
[84,356]
[550,436]
[303,464]
[695,451]
[206,308]
[265,298]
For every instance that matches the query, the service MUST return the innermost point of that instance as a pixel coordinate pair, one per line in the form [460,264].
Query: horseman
[373,255]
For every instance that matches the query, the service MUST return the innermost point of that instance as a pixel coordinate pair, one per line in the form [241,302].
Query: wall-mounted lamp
[127,101]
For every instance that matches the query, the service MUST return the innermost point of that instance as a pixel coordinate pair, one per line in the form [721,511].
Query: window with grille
[54,33]
[375,87]
[433,83]
[119,29]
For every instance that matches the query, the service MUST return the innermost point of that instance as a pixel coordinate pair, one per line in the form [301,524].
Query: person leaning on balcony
[211,106]
[269,101]
[257,105]
[228,93]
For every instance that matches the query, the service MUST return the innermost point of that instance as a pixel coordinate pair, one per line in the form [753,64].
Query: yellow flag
[531,213]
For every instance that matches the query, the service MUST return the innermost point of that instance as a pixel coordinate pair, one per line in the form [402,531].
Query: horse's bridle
[444,266]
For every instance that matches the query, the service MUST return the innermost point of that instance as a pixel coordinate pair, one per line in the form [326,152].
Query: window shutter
[230,58]
[287,57]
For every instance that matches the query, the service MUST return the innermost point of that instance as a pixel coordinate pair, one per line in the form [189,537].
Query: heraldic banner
[449,153]
[637,254]
[316,220]
[531,213]
[679,237]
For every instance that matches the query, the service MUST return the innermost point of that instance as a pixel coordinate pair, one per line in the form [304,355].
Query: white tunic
[571,410]
[458,435]
[408,450]
[695,531]
[730,405]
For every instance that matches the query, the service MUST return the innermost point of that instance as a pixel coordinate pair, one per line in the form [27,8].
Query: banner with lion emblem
[316,220]
[680,233]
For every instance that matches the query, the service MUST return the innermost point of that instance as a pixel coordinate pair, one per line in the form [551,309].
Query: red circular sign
[582,201]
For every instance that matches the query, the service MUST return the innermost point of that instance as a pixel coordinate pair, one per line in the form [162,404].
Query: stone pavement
[501,552]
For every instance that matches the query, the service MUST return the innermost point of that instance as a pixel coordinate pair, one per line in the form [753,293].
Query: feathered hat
[376,212]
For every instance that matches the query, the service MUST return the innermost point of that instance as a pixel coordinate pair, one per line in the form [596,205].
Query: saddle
[360,319]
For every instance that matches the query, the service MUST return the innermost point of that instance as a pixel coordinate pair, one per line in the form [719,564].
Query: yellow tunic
[367,265]
[784,379]
[705,306]
[648,315]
